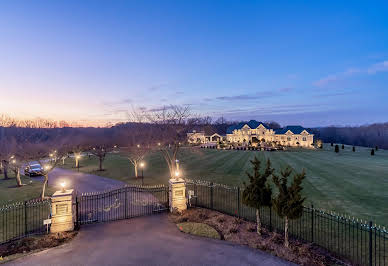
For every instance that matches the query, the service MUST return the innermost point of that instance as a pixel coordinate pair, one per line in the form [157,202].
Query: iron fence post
[211,195]
[76,211]
[238,202]
[25,218]
[370,243]
[125,204]
[312,222]
[196,194]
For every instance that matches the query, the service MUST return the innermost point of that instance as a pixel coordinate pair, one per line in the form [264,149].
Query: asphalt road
[150,240]
[79,181]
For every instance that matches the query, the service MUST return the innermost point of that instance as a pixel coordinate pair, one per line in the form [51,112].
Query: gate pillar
[177,195]
[62,213]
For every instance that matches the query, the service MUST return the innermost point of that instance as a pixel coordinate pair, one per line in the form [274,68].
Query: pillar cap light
[63,186]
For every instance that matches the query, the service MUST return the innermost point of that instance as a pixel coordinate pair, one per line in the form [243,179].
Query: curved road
[80,182]
[151,240]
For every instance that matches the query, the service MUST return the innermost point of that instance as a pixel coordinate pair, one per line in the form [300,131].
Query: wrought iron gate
[121,203]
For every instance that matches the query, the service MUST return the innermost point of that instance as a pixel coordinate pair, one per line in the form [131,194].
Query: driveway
[80,182]
[150,240]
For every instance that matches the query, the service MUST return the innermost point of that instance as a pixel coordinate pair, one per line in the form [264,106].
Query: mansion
[255,133]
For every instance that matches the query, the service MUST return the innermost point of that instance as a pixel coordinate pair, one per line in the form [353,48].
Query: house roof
[293,129]
[254,124]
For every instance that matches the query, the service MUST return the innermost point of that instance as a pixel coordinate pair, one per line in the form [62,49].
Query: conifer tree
[343,146]
[332,144]
[258,193]
[354,149]
[288,203]
[336,149]
[372,152]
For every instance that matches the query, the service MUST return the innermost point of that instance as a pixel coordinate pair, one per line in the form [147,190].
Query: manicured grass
[10,193]
[199,229]
[351,183]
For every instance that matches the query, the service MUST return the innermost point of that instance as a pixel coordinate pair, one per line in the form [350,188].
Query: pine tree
[372,152]
[288,203]
[258,193]
[354,149]
[343,146]
[336,149]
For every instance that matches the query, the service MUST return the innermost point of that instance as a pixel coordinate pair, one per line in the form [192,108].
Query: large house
[255,132]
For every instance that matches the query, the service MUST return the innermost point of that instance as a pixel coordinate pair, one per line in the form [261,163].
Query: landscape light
[77,157]
[46,167]
[63,185]
[142,164]
[13,161]
[138,145]
[158,143]
[177,174]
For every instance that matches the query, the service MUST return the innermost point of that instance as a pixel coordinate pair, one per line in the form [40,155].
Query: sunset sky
[313,63]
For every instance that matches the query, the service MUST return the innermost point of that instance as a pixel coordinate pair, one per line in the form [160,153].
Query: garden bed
[24,246]
[243,232]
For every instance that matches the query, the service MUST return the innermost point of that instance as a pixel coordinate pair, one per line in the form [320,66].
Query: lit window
[304,139]
[289,138]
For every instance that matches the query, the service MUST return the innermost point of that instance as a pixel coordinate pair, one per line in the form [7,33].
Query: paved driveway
[81,182]
[150,240]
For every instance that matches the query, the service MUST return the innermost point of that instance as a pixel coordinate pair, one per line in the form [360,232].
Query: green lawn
[351,183]
[10,193]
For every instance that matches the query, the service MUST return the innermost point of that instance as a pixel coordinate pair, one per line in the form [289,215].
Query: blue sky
[298,62]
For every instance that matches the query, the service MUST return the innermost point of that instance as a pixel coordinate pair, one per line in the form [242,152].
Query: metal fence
[23,219]
[121,203]
[362,243]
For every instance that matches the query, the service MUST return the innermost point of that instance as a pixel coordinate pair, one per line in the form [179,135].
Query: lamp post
[78,157]
[142,164]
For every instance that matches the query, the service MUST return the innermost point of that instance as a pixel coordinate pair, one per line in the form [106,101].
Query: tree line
[163,130]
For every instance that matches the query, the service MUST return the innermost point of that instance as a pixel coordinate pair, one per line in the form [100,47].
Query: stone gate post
[62,213]
[177,195]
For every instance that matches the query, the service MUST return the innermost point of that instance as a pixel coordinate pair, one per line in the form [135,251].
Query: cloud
[157,87]
[370,70]
[379,67]
[246,97]
[287,89]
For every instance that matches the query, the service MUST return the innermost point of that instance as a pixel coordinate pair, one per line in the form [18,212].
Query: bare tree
[172,124]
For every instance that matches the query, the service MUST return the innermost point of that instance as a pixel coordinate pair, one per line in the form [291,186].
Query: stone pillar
[177,195]
[62,218]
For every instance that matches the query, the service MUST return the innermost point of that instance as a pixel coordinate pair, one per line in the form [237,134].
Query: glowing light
[63,185]
[138,145]
[177,174]
[13,161]
[142,164]
[46,167]
[159,144]
[78,157]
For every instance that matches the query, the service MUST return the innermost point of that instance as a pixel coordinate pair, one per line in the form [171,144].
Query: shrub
[354,149]
[332,144]
[376,148]
[336,149]
[343,146]
[372,152]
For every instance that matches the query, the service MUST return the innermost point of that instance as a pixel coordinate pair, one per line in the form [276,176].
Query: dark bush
[336,149]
